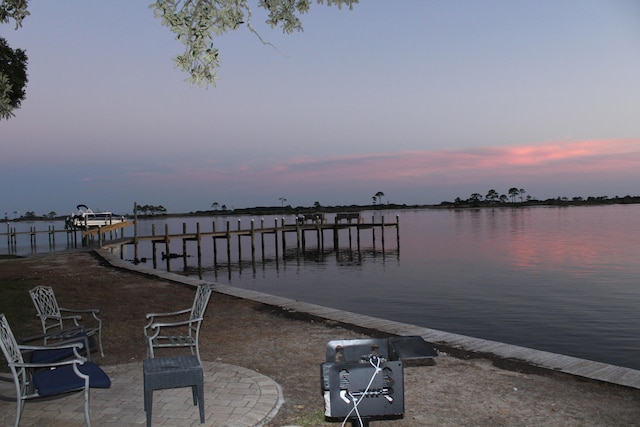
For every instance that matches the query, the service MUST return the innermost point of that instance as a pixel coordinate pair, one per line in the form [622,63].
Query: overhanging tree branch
[196,24]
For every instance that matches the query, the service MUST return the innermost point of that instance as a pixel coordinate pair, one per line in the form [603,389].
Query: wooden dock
[304,227]
[98,235]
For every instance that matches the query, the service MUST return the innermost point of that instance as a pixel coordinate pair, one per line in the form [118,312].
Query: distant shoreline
[299,210]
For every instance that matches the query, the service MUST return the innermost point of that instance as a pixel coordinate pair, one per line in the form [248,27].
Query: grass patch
[309,419]
[17,307]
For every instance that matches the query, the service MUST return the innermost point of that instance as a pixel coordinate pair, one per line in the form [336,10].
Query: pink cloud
[565,157]
[452,166]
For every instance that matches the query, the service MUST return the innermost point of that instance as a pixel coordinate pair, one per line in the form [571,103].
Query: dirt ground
[453,392]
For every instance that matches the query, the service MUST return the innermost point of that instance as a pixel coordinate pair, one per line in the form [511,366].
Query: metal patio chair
[48,380]
[53,317]
[160,334]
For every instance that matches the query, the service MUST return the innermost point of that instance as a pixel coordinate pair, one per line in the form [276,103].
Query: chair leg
[87,418]
[100,342]
[194,392]
[148,404]
[197,352]
[19,406]
[150,349]
[201,401]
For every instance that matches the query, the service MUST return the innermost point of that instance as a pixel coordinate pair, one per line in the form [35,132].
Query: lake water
[564,280]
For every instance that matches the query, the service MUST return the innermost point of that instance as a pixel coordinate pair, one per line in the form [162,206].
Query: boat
[86,218]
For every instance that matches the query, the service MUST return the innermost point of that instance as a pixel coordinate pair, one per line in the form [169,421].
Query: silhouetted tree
[379,195]
[521,192]
[513,192]
[492,195]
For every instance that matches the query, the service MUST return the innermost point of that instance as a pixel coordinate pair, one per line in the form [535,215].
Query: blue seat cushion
[63,379]
[51,356]
[56,355]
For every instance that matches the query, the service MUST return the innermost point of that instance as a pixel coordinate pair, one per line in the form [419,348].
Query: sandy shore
[456,391]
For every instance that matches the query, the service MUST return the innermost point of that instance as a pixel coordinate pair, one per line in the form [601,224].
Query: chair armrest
[50,347]
[173,313]
[155,326]
[75,346]
[89,310]
[65,333]
[74,318]
[78,360]
[151,316]
[94,312]
[170,324]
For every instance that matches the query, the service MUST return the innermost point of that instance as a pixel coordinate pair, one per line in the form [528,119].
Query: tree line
[491,199]
[519,197]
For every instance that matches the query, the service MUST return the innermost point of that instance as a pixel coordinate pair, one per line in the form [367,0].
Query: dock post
[373,232]
[32,238]
[262,237]
[398,232]
[135,235]
[215,244]
[253,241]
[382,232]
[184,246]
[284,239]
[275,237]
[304,239]
[228,245]
[239,243]
[166,246]
[199,250]
[14,240]
[154,256]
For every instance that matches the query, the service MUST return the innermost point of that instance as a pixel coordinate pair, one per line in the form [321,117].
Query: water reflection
[556,279]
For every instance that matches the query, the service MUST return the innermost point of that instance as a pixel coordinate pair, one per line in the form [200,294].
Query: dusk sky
[424,100]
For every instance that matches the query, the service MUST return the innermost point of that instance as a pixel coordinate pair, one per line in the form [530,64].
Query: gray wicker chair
[53,317]
[178,333]
[47,380]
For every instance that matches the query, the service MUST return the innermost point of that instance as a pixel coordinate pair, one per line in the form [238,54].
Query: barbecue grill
[363,380]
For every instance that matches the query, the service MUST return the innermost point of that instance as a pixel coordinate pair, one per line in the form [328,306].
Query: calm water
[564,280]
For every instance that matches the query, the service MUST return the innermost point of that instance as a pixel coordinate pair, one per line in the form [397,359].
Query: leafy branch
[197,23]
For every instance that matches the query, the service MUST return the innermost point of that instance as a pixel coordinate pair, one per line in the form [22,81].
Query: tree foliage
[13,62]
[13,78]
[13,9]
[196,24]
